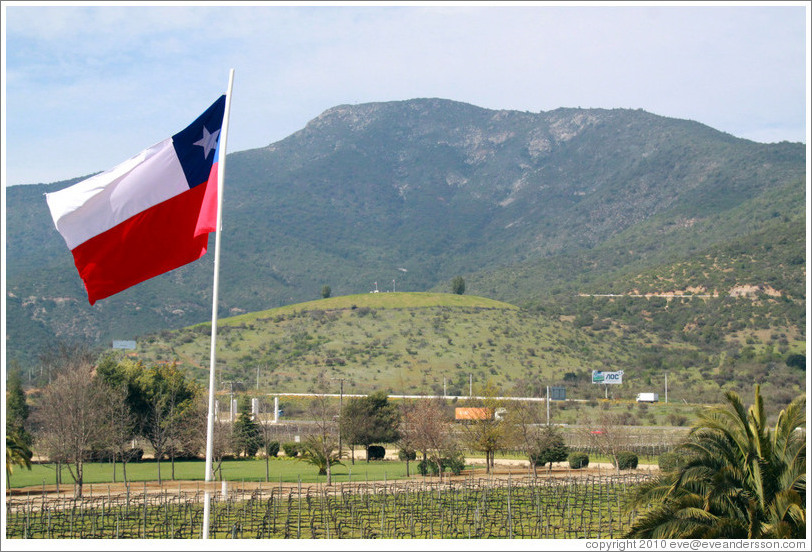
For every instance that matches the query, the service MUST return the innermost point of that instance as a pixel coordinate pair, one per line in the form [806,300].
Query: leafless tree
[321,447]
[525,429]
[222,445]
[192,434]
[122,429]
[176,414]
[608,435]
[156,429]
[61,357]
[407,444]
[74,417]
[430,429]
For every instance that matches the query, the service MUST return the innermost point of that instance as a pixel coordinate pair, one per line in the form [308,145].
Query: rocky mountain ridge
[414,192]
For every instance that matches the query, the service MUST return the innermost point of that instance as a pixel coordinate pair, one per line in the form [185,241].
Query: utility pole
[666,388]
[231,397]
[340,409]
[470,386]
[548,405]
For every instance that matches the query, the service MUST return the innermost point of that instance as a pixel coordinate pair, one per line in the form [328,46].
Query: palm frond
[742,479]
[17,454]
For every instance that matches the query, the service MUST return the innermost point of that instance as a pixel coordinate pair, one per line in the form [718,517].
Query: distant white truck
[648,397]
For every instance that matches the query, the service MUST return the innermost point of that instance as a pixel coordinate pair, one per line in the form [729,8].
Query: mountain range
[542,210]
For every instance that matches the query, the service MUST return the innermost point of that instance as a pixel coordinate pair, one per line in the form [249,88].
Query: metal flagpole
[221,171]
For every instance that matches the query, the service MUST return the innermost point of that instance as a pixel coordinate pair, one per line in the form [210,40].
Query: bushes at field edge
[291,449]
[625,461]
[405,454]
[455,464]
[376,452]
[272,448]
[578,460]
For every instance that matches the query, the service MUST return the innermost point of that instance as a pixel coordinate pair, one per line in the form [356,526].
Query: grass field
[410,300]
[287,469]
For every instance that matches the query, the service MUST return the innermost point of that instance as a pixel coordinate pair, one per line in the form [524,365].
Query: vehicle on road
[648,397]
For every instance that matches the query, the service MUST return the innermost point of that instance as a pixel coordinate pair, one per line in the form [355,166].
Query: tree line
[96,408]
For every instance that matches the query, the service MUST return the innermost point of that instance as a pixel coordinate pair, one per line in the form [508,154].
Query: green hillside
[389,300]
[376,340]
[409,343]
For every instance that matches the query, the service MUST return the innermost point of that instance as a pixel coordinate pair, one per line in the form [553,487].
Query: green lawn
[289,470]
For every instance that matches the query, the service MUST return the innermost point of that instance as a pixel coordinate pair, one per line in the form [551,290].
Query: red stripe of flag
[157,240]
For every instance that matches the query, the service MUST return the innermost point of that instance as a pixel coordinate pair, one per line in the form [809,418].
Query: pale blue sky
[86,87]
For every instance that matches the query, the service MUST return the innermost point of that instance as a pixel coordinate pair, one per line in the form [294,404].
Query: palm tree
[17,454]
[322,454]
[741,478]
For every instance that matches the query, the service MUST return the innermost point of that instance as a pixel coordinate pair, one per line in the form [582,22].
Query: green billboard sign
[606,378]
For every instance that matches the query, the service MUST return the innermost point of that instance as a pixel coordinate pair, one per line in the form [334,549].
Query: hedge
[291,449]
[407,454]
[578,460]
[625,461]
[376,452]
[272,448]
[454,464]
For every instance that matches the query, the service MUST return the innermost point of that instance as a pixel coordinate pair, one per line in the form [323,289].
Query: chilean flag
[148,215]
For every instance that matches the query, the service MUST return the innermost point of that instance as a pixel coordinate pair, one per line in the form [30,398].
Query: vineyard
[572,507]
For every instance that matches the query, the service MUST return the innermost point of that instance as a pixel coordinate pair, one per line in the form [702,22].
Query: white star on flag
[208,142]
